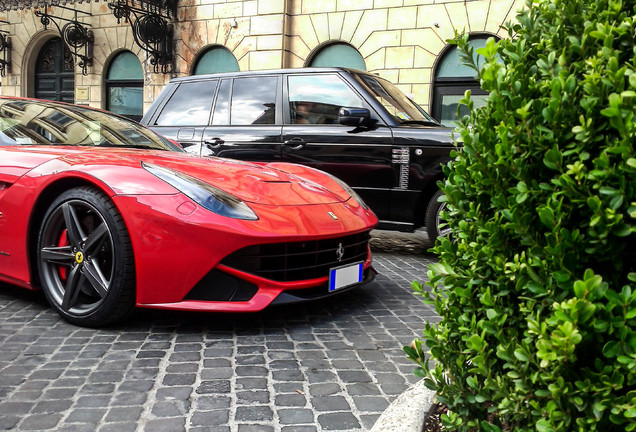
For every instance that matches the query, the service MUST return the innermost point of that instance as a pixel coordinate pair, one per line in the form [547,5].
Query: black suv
[357,126]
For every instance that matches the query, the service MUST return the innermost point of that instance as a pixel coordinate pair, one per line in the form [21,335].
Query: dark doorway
[55,72]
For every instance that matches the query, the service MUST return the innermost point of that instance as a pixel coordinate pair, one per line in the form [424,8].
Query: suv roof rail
[268,72]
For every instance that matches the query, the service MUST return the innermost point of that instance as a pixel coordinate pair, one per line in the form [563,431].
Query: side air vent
[219,286]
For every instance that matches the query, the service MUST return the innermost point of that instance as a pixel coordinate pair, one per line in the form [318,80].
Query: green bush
[536,288]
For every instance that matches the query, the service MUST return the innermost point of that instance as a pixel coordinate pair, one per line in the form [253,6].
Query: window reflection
[317,99]
[36,123]
[254,101]
[394,101]
[127,101]
[124,86]
[190,105]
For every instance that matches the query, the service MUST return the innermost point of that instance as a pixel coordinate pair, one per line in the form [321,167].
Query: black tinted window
[254,101]
[396,103]
[190,105]
[317,99]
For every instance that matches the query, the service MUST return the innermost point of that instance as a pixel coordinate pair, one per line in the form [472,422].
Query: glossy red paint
[175,241]
[156,226]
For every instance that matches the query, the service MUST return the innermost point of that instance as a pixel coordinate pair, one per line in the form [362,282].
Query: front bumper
[180,248]
[265,293]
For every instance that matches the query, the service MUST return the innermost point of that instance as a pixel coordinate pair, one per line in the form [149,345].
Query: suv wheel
[435,225]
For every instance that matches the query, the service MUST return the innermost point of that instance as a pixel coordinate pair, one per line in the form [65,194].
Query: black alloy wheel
[85,259]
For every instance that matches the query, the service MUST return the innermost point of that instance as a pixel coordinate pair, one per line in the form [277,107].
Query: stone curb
[408,412]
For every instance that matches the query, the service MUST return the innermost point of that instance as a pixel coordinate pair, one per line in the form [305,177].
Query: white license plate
[342,277]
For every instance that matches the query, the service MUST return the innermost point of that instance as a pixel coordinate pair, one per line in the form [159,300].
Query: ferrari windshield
[29,122]
[398,105]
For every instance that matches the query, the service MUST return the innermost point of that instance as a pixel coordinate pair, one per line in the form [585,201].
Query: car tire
[85,259]
[433,218]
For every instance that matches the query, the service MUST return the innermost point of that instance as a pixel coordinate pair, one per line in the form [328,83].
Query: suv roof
[274,71]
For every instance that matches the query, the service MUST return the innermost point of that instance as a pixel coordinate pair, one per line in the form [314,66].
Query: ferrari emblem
[333,215]
[340,252]
[79,257]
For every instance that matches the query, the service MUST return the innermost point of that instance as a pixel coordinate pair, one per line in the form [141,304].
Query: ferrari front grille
[286,262]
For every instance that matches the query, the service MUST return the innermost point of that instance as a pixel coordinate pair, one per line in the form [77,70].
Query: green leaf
[611,349]
[616,202]
[561,276]
[580,289]
[410,352]
[544,426]
[522,197]
[594,202]
[476,342]
[606,190]
[546,215]
[521,355]
[611,112]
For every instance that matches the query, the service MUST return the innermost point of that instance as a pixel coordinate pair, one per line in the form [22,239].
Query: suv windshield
[26,122]
[398,105]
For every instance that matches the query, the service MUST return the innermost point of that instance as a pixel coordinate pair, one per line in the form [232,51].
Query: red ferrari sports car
[104,215]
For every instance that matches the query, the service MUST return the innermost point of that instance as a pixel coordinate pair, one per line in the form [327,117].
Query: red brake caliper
[63,241]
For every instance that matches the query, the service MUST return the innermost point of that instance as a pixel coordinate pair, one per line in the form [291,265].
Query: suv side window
[189,105]
[394,101]
[317,99]
[254,101]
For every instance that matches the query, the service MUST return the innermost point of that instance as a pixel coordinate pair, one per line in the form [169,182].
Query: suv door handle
[214,142]
[295,143]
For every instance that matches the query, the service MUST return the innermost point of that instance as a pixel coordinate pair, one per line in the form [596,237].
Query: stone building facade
[402,40]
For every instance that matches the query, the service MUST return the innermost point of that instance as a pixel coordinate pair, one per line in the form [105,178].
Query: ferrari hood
[254,183]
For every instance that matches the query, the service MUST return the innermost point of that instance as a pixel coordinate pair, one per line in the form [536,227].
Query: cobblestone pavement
[332,365]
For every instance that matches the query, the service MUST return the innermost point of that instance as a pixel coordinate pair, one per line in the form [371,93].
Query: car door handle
[214,142]
[295,143]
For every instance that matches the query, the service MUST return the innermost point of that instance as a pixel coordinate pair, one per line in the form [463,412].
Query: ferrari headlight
[204,194]
[350,191]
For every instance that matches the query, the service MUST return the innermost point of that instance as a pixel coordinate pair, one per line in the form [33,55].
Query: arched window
[125,86]
[452,79]
[214,60]
[338,55]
